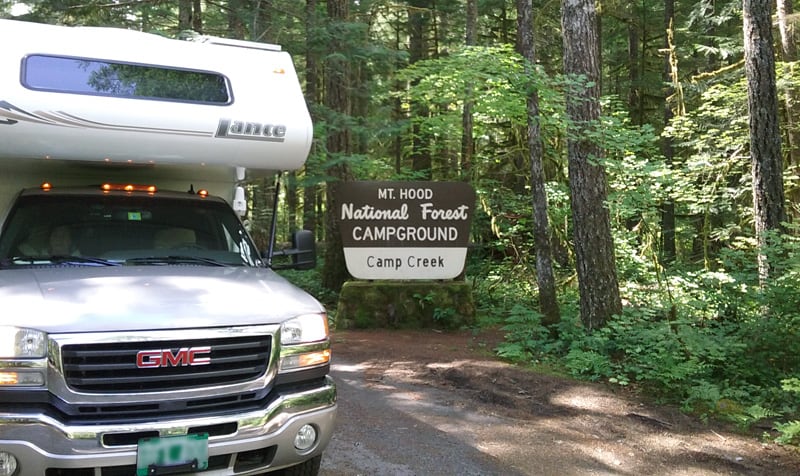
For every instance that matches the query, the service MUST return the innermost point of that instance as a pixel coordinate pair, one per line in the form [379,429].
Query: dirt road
[428,403]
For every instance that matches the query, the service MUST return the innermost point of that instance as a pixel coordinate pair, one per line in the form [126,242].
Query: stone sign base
[405,305]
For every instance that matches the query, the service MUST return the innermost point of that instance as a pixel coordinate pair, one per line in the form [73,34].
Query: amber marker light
[8,378]
[203,192]
[46,186]
[315,358]
[107,187]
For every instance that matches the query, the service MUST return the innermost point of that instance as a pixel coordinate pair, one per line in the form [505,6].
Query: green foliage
[525,336]
[697,339]
[789,432]
[310,281]
[492,79]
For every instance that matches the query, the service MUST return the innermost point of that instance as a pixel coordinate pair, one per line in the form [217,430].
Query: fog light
[8,464]
[305,437]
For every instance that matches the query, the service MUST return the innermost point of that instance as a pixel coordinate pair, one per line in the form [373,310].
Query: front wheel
[308,467]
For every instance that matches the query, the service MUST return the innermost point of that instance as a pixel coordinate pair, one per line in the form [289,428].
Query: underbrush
[714,343]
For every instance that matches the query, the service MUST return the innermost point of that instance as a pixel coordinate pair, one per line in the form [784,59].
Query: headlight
[22,357]
[304,343]
[304,329]
[22,343]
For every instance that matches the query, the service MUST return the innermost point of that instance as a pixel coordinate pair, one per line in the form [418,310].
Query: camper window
[106,78]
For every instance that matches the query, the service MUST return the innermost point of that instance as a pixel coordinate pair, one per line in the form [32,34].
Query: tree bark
[594,246]
[791,95]
[467,139]
[765,138]
[548,304]
[635,100]
[184,15]
[236,26]
[197,16]
[668,248]
[334,272]
[419,18]
[312,98]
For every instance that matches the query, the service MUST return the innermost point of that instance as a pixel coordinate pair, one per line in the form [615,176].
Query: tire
[309,467]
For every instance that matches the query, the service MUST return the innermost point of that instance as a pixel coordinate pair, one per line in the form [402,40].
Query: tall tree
[197,16]
[236,26]
[545,278]
[635,101]
[791,93]
[594,246]
[419,18]
[467,139]
[190,15]
[765,138]
[313,97]
[184,15]
[337,100]
[670,79]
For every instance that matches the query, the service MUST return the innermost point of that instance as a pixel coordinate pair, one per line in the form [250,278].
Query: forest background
[620,233]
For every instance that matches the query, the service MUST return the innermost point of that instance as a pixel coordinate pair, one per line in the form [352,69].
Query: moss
[405,305]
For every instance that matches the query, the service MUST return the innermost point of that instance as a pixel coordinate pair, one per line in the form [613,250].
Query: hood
[96,299]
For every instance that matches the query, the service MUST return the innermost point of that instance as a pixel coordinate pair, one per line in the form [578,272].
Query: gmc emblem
[185,356]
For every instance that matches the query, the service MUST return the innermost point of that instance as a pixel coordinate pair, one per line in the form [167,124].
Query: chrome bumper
[40,442]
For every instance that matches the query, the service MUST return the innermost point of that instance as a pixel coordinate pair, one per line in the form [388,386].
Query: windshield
[123,229]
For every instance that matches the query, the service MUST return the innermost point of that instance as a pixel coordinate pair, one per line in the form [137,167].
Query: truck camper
[142,331]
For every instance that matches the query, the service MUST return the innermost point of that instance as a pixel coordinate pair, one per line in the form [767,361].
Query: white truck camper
[141,331]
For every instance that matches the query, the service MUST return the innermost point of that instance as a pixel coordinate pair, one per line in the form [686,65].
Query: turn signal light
[8,378]
[21,379]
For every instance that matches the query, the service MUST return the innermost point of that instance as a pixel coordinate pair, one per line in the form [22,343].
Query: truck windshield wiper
[174,259]
[59,260]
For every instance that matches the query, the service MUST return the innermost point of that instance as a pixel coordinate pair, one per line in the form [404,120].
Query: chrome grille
[112,367]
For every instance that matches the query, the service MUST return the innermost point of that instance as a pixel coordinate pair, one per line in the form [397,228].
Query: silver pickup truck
[139,323]
[142,331]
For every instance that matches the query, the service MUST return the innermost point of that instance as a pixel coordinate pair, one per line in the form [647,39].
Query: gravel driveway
[423,403]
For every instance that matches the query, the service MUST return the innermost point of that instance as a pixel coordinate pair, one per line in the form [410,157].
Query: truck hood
[96,299]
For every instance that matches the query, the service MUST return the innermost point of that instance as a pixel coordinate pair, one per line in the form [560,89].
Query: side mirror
[304,252]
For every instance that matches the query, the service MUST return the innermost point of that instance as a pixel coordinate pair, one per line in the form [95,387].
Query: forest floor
[576,427]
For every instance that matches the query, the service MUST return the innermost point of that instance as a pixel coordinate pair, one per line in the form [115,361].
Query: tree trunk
[197,16]
[792,96]
[635,100]
[292,200]
[312,98]
[236,26]
[334,272]
[765,139]
[594,246]
[184,15]
[467,139]
[548,304]
[419,17]
[399,114]
[668,248]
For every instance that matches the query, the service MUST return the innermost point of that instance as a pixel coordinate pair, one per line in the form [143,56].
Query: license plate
[172,455]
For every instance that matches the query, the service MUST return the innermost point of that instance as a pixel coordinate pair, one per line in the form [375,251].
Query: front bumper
[239,444]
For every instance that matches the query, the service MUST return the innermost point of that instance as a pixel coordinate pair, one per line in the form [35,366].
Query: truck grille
[169,364]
